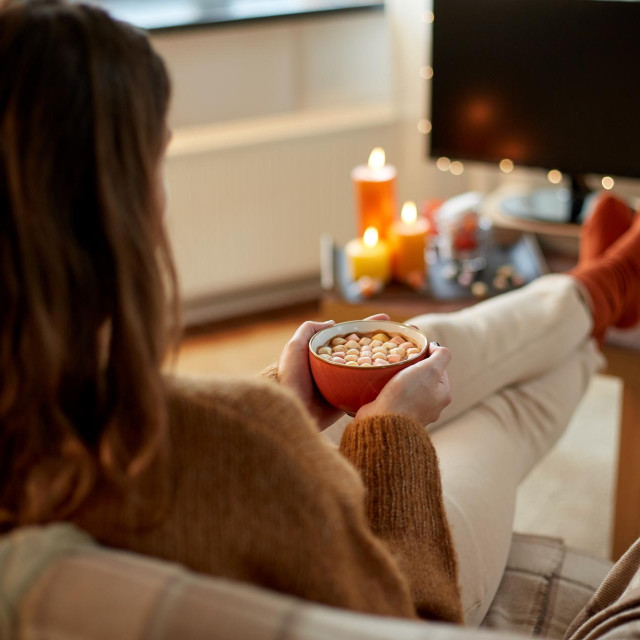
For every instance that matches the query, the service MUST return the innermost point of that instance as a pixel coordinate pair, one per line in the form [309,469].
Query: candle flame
[370,237]
[377,158]
[409,212]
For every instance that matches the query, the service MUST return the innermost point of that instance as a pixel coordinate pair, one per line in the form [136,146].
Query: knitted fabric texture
[613,282]
[257,496]
[404,505]
[609,219]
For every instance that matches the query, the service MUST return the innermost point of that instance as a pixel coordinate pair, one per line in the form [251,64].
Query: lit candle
[375,189]
[369,256]
[408,242]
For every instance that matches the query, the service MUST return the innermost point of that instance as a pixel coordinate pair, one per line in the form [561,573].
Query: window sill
[173,15]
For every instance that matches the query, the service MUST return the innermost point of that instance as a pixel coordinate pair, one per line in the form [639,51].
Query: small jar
[461,229]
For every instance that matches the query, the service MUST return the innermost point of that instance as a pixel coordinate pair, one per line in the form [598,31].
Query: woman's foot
[630,317]
[608,220]
[613,278]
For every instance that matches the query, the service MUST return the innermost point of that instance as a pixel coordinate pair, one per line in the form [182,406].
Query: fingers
[308,329]
[439,358]
[448,397]
[436,364]
[378,316]
[433,346]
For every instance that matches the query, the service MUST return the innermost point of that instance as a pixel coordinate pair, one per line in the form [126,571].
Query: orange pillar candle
[408,243]
[375,190]
[369,256]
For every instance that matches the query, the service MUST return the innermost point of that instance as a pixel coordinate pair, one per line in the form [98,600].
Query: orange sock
[608,220]
[630,317]
[613,282]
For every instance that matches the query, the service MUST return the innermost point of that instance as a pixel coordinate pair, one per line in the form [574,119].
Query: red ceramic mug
[346,387]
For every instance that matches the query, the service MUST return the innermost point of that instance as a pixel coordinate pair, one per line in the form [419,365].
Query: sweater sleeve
[399,467]
[271,372]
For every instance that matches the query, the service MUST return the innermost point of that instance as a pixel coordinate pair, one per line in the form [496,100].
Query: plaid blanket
[544,587]
[56,584]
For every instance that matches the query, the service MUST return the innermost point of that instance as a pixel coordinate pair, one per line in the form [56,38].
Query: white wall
[232,72]
[268,121]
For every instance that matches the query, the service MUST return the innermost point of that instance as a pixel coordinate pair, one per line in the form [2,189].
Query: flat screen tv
[553,84]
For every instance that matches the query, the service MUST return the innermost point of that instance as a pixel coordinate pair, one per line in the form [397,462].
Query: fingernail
[436,343]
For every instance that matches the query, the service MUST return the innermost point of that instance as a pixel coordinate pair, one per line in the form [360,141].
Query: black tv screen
[546,83]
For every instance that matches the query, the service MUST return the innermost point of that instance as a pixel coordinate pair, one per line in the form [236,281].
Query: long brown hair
[86,277]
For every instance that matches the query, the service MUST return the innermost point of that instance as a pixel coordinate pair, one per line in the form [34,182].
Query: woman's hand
[420,392]
[294,371]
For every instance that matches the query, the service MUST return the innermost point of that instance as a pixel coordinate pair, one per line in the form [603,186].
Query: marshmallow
[364,351]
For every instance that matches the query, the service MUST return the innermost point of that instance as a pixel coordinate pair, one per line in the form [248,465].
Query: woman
[231,478]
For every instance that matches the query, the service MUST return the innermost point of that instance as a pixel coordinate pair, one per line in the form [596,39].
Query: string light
[426,72]
[444,164]
[424,126]
[554,176]
[457,168]
[506,165]
[608,182]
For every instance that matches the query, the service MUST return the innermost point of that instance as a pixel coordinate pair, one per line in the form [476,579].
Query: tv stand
[557,205]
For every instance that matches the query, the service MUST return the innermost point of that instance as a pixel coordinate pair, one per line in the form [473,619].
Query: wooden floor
[240,347]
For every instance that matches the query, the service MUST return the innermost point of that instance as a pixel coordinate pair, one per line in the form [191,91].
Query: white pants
[521,363]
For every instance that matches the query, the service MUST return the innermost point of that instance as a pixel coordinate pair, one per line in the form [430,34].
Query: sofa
[57,584]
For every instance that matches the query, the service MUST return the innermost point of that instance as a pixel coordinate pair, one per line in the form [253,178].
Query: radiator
[248,203]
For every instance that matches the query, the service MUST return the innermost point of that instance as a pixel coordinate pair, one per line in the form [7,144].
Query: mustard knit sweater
[256,495]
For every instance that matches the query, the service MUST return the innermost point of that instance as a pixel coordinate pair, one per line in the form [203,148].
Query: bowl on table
[348,386]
